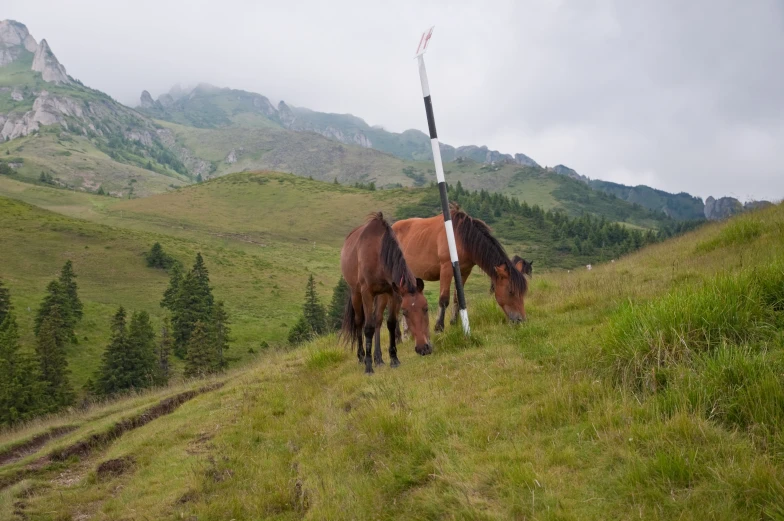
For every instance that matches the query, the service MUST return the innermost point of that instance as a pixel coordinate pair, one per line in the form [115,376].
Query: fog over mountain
[678,96]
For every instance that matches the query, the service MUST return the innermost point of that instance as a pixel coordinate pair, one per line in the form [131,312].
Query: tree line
[35,382]
[582,238]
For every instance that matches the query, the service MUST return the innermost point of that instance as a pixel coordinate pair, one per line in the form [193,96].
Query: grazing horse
[373,266]
[427,252]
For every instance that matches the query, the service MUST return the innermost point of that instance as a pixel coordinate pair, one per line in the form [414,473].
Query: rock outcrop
[15,41]
[716,209]
[568,172]
[147,101]
[524,160]
[285,114]
[46,63]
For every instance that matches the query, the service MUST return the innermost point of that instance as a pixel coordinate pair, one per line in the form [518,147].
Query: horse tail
[348,332]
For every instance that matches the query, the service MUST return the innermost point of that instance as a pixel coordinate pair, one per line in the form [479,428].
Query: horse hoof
[379,362]
[369,371]
[439,328]
[394,363]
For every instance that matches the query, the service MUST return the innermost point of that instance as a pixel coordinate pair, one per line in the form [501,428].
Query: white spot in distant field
[589,267]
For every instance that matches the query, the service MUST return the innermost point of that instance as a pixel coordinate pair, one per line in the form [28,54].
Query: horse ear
[531,263]
[501,271]
[520,264]
[420,285]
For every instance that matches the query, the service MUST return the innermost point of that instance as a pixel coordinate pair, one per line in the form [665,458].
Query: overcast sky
[679,95]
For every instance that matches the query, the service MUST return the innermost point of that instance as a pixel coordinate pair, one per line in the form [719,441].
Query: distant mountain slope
[39,100]
[678,206]
[206,106]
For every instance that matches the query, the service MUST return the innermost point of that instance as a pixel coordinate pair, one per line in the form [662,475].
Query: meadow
[651,387]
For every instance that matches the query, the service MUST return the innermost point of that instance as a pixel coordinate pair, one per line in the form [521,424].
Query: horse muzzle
[424,350]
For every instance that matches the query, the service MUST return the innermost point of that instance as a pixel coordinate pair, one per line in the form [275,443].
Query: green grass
[517,422]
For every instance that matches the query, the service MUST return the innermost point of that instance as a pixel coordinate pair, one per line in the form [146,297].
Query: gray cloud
[683,96]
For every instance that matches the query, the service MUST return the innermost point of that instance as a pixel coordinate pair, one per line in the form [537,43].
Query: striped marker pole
[450,233]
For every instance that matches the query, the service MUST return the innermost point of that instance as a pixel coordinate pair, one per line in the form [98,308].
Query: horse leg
[443,299]
[381,303]
[370,329]
[453,320]
[392,327]
[359,320]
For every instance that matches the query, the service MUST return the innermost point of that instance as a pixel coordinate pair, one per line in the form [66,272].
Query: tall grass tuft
[644,341]
[740,231]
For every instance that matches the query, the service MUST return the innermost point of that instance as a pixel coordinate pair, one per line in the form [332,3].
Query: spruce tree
[338,305]
[200,358]
[22,393]
[221,331]
[53,334]
[171,294]
[300,332]
[112,376]
[312,310]
[5,302]
[55,297]
[163,369]
[141,351]
[157,258]
[194,303]
[67,280]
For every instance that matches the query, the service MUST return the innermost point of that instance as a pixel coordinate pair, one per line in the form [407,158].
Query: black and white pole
[450,233]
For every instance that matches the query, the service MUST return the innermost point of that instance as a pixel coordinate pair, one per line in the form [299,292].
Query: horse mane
[477,239]
[392,259]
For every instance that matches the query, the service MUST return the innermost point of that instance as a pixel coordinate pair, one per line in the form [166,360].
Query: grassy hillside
[648,388]
[75,162]
[257,243]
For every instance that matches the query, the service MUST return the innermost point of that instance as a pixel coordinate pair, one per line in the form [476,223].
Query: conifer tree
[194,303]
[163,370]
[157,258]
[337,305]
[169,300]
[22,393]
[55,297]
[5,301]
[67,280]
[221,331]
[112,376]
[300,332]
[200,358]
[312,310]
[141,351]
[53,334]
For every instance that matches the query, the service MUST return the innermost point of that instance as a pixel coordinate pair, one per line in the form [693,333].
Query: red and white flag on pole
[423,41]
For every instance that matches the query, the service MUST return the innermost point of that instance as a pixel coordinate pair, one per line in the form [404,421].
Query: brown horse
[425,246]
[373,265]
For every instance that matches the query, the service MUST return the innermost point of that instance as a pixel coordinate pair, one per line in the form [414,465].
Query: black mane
[486,252]
[392,259]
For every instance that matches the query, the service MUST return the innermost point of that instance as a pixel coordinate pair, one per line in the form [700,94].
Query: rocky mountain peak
[285,114]
[46,63]
[15,40]
[146,100]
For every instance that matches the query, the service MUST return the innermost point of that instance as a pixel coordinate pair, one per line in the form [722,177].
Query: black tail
[348,332]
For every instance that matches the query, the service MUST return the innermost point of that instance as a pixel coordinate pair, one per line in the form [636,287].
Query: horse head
[414,309]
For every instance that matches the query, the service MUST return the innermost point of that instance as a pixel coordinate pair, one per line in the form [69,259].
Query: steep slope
[516,422]
[38,97]
[677,206]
